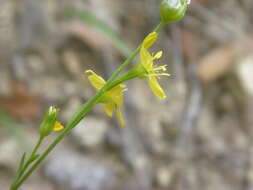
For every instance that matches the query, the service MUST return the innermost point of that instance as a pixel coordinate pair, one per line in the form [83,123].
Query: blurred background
[199,138]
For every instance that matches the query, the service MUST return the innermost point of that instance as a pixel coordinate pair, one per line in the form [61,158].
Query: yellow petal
[96,81]
[109,108]
[121,119]
[58,126]
[146,59]
[158,55]
[150,40]
[156,88]
[116,94]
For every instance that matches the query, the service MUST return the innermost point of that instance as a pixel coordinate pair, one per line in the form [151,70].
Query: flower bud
[173,10]
[47,125]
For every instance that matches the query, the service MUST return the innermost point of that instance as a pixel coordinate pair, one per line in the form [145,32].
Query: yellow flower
[112,99]
[58,126]
[152,72]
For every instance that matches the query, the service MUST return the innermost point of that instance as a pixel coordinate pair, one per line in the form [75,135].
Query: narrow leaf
[21,164]
[92,20]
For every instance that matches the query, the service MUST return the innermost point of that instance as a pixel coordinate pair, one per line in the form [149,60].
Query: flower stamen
[152,72]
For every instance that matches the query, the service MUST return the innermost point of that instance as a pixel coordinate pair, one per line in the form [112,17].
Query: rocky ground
[200,137]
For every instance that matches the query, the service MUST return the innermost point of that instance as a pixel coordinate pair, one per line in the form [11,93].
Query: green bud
[47,125]
[173,10]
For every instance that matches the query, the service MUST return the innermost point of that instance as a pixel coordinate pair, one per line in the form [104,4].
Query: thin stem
[81,112]
[122,79]
[159,27]
[29,161]
[37,146]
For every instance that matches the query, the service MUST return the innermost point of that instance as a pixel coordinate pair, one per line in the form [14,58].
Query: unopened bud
[47,125]
[173,10]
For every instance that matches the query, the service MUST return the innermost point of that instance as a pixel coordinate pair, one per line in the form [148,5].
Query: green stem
[37,146]
[124,78]
[29,161]
[81,112]
[159,27]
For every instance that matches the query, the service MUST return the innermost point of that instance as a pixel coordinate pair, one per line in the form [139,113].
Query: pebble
[90,132]
[79,172]
[9,153]
[164,176]
[244,72]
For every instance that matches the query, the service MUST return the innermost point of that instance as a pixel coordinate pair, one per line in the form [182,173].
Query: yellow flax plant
[110,92]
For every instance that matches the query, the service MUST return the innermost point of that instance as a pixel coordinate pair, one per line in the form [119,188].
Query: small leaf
[91,19]
[21,164]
